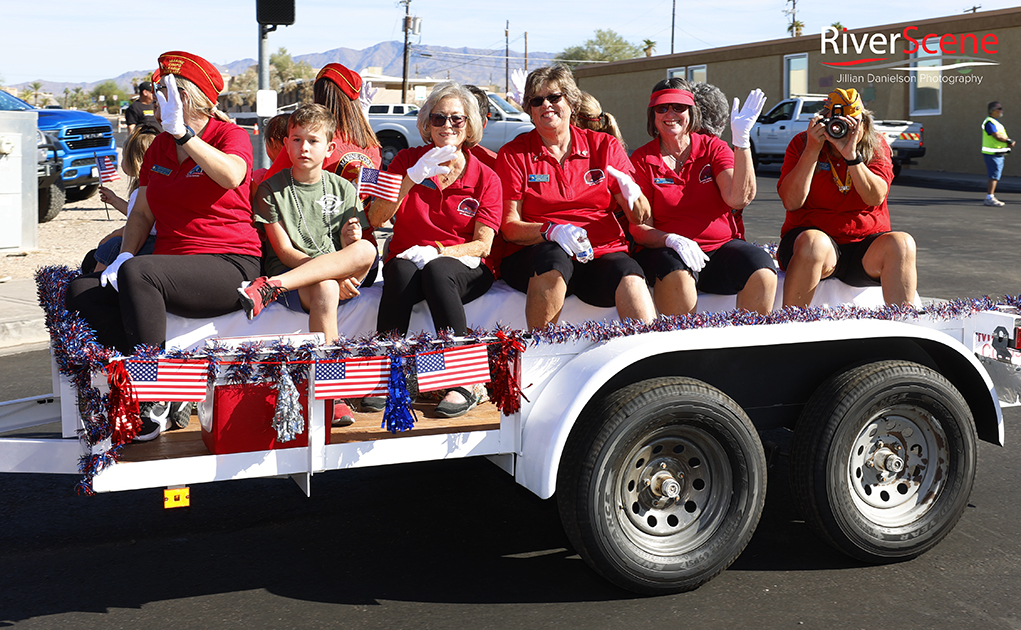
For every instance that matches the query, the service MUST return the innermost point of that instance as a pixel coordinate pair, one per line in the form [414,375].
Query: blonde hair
[590,115]
[553,77]
[134,152]
[470,105]
[868,146]
[198,103]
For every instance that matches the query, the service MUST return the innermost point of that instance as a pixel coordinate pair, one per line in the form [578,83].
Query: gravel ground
[65,240]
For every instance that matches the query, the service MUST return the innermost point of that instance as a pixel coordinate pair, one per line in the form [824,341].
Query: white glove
[689,251]
[171,108]
[429,164]
[109,275]
[421,255]
[628,187]
[366,95]
[471,262]
[741,122]
[517,86]
[573,240]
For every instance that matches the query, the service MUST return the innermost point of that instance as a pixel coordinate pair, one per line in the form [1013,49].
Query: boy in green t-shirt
[313,221]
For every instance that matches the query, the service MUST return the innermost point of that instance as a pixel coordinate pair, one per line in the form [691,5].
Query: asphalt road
[459,545]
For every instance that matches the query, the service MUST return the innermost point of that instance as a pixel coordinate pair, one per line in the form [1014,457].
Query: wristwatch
[857,160]
[188,135]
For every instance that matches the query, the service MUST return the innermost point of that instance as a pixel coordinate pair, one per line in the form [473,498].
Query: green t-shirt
[315,222]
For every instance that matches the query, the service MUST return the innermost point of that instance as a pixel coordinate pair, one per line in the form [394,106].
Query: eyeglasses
[536,101]
[456,120]
[677,107]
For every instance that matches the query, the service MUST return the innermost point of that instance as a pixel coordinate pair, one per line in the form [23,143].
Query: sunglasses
[456,120]
[677,107]
[536,101]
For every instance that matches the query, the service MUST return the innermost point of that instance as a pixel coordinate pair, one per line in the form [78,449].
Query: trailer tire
[706,474]
[883,460]
[391,143]
[51,202]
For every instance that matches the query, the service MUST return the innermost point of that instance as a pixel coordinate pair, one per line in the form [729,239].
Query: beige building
[950,103]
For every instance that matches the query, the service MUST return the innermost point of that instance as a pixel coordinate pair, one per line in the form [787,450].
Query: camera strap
[843,186]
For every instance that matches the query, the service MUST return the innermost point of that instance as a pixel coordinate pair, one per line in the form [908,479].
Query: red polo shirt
[578,191]
[427,214]
[846,218]
[194,214]
[689,203]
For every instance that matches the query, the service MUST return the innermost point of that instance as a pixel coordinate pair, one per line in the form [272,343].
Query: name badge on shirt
[195,172]
[161,170]
[823,166]
[664,181]
[535,178]
[428,183]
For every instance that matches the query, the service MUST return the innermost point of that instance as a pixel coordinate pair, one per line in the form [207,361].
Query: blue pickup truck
[74,140]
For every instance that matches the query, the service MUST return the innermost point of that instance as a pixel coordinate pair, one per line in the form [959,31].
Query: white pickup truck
[648,437]
[775,129]
[400,132]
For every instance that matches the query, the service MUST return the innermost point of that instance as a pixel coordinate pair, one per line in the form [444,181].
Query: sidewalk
[957,181]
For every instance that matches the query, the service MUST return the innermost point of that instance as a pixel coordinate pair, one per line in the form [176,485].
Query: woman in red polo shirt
[193,187]
[838,225]
[695,181]
[447,213]
[561,187]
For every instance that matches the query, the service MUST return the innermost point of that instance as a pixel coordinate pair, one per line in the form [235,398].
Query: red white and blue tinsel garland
[78,354]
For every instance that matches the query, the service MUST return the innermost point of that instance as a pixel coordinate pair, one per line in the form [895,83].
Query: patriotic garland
[78,355]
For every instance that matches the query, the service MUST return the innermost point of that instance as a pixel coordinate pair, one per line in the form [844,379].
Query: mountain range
[464,65]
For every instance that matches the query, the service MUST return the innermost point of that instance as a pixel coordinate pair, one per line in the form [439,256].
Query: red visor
[661,97]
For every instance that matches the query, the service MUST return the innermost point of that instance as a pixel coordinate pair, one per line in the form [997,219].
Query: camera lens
[836,128]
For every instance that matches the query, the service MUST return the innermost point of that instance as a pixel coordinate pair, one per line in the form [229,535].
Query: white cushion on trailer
[500,305]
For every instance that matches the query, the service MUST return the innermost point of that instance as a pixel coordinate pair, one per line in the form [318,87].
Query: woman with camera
[834,183]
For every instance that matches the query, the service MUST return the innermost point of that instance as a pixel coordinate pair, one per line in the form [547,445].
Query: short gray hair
[712,104]
[449,89]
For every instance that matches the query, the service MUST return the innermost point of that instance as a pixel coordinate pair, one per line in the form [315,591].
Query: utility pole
[506,58]
[673,21]
[526,52]
[407,29]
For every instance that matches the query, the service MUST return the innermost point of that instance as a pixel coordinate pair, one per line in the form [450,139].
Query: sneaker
[342,414]
[154,416]
[373,404]
[180,415]
[993,201]
[258,294]
[454,410]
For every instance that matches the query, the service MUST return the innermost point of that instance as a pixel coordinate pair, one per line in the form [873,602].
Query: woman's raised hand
[742,121]
[171,108]
[430,164]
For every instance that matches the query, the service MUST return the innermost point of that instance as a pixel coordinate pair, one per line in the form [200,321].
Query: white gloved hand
[366,96]
[171,108]
[471,262]
[517,86]
[689,251]
[421,255]
[741,122]
[429,164]
[573,240]
[628,187]
[109,275]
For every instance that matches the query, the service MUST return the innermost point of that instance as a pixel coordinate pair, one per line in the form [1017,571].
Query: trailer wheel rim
[674,490]
[898,465]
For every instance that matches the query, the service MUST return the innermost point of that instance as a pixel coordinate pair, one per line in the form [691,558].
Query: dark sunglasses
[677,107]
[536,101]
[456,120]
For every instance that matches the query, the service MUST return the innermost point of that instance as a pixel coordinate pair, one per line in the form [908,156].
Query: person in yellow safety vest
[995,145]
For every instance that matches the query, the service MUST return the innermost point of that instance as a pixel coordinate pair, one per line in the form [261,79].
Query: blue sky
[80,41]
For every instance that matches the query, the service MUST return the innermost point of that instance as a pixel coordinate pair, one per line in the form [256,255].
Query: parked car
[393,109]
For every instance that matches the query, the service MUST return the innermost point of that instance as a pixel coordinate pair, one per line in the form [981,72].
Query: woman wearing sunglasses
[561,186]
[446,215]
[695,181]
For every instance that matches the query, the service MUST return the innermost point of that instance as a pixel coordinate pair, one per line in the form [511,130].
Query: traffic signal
[274,12]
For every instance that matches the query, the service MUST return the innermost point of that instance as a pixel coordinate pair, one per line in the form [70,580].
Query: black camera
[835,128]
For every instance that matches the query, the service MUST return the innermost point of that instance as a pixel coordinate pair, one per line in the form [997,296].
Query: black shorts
[726,272]
[849,269]
[594,282]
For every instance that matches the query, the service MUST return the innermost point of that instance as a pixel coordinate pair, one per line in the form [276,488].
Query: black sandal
[453,410]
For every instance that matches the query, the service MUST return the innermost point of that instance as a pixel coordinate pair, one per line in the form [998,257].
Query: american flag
[352,377]
[167,379]
[107,169]
[464,365]
[380,183]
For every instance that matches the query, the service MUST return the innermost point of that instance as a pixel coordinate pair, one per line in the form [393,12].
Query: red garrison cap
[195,69]
[347,80]
[659,97]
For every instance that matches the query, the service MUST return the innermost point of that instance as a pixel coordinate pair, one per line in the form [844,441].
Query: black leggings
[196,285]
[445,284]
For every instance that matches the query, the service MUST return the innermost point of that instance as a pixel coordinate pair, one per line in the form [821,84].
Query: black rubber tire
[847,489]
[896,169]
[82,192]
[693,534]
[51,202]
[391,144]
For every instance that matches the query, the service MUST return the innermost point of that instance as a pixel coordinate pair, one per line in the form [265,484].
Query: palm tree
[35,91]
[795,28]
[67,93]
[78,97]
[838,26]
[648,46]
